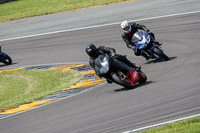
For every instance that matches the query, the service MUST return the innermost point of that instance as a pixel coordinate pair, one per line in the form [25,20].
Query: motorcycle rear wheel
[127,83]
[160,53]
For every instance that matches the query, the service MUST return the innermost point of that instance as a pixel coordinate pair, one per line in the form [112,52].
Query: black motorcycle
[127,79]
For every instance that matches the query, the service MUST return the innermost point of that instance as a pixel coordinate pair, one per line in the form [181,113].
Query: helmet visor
[127,28]
[92,53]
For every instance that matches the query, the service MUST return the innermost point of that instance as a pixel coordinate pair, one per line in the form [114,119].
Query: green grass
[27,8]
[24,86]
[187,126]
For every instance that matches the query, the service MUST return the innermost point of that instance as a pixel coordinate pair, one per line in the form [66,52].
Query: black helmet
[91,50]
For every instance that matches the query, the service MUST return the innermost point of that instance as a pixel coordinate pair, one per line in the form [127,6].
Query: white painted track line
[160,124]
[61,31]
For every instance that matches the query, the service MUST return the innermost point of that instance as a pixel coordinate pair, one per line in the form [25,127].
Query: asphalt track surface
[172,90]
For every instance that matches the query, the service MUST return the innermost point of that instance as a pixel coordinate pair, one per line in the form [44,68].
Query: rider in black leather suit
[94,52]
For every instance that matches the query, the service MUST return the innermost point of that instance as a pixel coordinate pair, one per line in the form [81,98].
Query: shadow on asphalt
[161,60]
[3,65]
[135,87]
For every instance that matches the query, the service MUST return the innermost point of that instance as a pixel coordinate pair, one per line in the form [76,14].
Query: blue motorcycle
[4,58]
[145,42]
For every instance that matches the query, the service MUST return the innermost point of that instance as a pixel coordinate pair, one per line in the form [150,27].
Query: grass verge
[24,86]
[28,8]
[187,126]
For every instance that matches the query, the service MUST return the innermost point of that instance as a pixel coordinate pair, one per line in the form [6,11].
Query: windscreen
[98,61]
[136,37]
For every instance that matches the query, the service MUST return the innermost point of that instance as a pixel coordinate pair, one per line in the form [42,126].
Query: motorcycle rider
[94,52]
[129,29]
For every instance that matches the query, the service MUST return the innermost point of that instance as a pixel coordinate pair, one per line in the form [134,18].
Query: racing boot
[156,42]
[145,56]
[154,39]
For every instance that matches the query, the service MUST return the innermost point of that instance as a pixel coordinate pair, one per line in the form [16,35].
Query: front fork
[153,55]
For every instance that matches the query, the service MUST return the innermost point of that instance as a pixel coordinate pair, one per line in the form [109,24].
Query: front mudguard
[149,51]
[142,77]
[158,52]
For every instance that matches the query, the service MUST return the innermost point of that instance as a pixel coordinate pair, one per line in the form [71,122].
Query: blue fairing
[1,53]
[138,44]
[153,47]
[144,34]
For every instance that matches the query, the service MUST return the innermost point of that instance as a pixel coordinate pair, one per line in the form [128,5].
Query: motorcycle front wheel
[6,59]
[127,83]
[143,78]
[160,53]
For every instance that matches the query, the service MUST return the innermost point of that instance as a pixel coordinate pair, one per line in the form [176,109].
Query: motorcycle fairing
[133,75]
[142,42]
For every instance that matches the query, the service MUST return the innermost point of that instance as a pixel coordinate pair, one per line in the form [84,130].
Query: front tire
[143,78]
[6,59]
[127,83]
[160,53]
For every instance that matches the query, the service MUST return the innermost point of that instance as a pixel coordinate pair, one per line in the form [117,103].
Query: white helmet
[126,26]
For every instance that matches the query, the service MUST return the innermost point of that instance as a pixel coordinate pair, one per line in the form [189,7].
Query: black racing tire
[160,53]
[6,59]
[125,83]
[143,78]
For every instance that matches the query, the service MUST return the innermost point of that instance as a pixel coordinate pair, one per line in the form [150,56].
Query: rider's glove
[112,54]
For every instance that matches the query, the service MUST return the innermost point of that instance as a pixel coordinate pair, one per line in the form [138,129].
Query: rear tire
[160,53]
[6,59]
[125,83]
